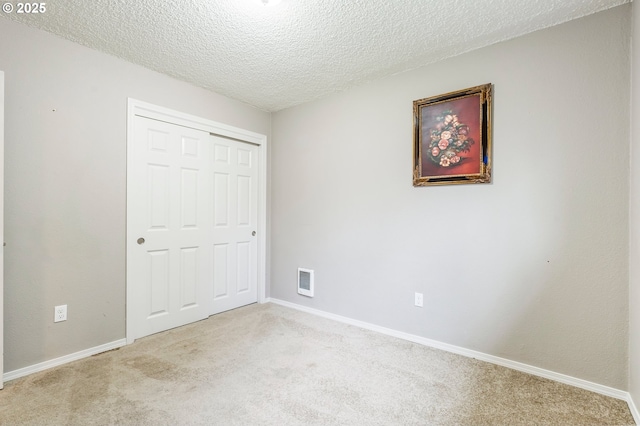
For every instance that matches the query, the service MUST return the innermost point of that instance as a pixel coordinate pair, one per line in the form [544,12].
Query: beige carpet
[270,365]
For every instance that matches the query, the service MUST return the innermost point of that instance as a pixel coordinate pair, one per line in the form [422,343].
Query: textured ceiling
[300,50]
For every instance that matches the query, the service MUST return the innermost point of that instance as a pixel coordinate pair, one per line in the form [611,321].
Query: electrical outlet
[60,313]
[419,300]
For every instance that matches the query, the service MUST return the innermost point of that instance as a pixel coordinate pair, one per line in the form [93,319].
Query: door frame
[155,112]
[1,228]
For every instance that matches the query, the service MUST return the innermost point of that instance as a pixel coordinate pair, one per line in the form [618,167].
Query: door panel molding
[138,108]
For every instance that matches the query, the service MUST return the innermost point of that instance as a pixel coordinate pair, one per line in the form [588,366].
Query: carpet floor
[270,365]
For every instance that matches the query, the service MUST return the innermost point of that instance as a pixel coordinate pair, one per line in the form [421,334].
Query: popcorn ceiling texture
[300,50]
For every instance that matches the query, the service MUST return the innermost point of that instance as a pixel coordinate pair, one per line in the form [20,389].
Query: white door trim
[144,109]
[1,226]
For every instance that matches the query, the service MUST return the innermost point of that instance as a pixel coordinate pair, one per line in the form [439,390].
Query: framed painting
[452,138]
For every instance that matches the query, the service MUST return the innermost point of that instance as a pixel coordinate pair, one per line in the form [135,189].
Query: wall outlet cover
[60,313]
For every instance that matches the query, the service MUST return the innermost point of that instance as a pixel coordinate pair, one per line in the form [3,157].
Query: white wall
[66,109]
[533,267]
[634,218]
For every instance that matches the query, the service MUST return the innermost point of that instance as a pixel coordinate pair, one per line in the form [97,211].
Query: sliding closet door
[169,225]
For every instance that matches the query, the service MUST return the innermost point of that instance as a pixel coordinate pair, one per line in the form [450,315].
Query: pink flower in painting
[448,138]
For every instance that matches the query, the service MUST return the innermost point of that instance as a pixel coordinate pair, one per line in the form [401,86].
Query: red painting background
[468,112]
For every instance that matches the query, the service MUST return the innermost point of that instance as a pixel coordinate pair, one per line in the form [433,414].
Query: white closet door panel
[235,223]
[169,226]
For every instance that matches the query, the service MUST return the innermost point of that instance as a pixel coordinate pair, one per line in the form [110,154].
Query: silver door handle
[253,233]
[140,241]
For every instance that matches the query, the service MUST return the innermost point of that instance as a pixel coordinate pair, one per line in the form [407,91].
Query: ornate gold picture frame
[452,138]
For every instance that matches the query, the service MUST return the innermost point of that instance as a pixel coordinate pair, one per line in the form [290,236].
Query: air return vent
[305,282]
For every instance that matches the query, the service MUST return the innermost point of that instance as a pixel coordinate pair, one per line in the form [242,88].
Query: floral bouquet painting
[449,139]
[452,138]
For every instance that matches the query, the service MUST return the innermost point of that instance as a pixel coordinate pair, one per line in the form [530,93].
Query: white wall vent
[305,282]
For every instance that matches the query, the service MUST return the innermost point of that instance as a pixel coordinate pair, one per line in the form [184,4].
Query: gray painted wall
[634,218]
[533,267]
[65,180]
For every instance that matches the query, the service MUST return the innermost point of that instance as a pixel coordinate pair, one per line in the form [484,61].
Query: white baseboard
[634,410]
[21,372]
[562,378]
